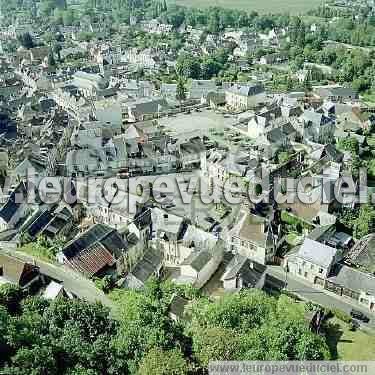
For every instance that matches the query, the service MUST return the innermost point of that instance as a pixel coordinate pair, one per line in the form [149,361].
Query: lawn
[265,6]
[350,346]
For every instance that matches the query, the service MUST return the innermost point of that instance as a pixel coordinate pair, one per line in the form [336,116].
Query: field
[350,346]
[260,6]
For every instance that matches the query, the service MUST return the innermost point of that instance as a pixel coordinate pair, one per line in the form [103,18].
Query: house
[272,58]
[242,272]
[90,85]
[220,166]
[148,58]
[168,90]
[362,255]
[14,209]
[281,136]
[353,284]
[264,121]
[177,307]
[252,237]
[137,89]
[200,88]
[48,222]
[246,44]
[55,290]
[198,268]
[143,109]
[317,127]
[32,166]
[95,251]
[313,261]
[242,97]
[337,94]
[38,54]
[168,232]
[214,99]
[16,271]
[150,265]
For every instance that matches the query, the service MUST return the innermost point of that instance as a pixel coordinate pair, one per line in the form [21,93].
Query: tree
[10,297]
[38,360]
[349,144]
[68,17]
[214,23]
[210,67]
[163,362]
[215,344]
[253,326]
[51,59]
[26,40]
[181,91]
[365,223]
[188,66]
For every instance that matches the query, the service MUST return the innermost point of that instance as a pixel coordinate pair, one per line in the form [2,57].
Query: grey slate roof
[355,280]
[197,260]
[99,233]
[150,262]
[250,272]
[247,90]
[11,206]
[317,253]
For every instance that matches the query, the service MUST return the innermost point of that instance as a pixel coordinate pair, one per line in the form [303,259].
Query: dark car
[359,316]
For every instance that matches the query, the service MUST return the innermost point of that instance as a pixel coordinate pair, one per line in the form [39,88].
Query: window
[312,267]
[306,274]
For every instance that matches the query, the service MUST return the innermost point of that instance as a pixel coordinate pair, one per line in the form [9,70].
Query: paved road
[72,281]
[322,297]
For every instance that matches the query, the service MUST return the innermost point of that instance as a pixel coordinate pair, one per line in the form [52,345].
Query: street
[322,297]
[72,281]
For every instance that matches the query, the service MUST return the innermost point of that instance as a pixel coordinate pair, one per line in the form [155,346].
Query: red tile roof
[91,260]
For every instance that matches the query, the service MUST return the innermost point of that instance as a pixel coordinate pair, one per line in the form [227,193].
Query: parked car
[359,316]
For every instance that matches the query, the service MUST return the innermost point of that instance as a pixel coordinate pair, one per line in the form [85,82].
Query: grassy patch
[265,6]
[295,222]
[347,345]
[294,239]
[38,251]
[369,98]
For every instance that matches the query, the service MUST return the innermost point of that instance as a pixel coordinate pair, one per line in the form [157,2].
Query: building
[18,272]
[353,284]
[242,272]
[95,251]
[337,94]
[317,127]
[14,209]
[242,97]
[253,238]
[150,265]
[313,261]
[198,267]
[200,88]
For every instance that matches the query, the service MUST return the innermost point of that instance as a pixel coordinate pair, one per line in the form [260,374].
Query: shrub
[342,315]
